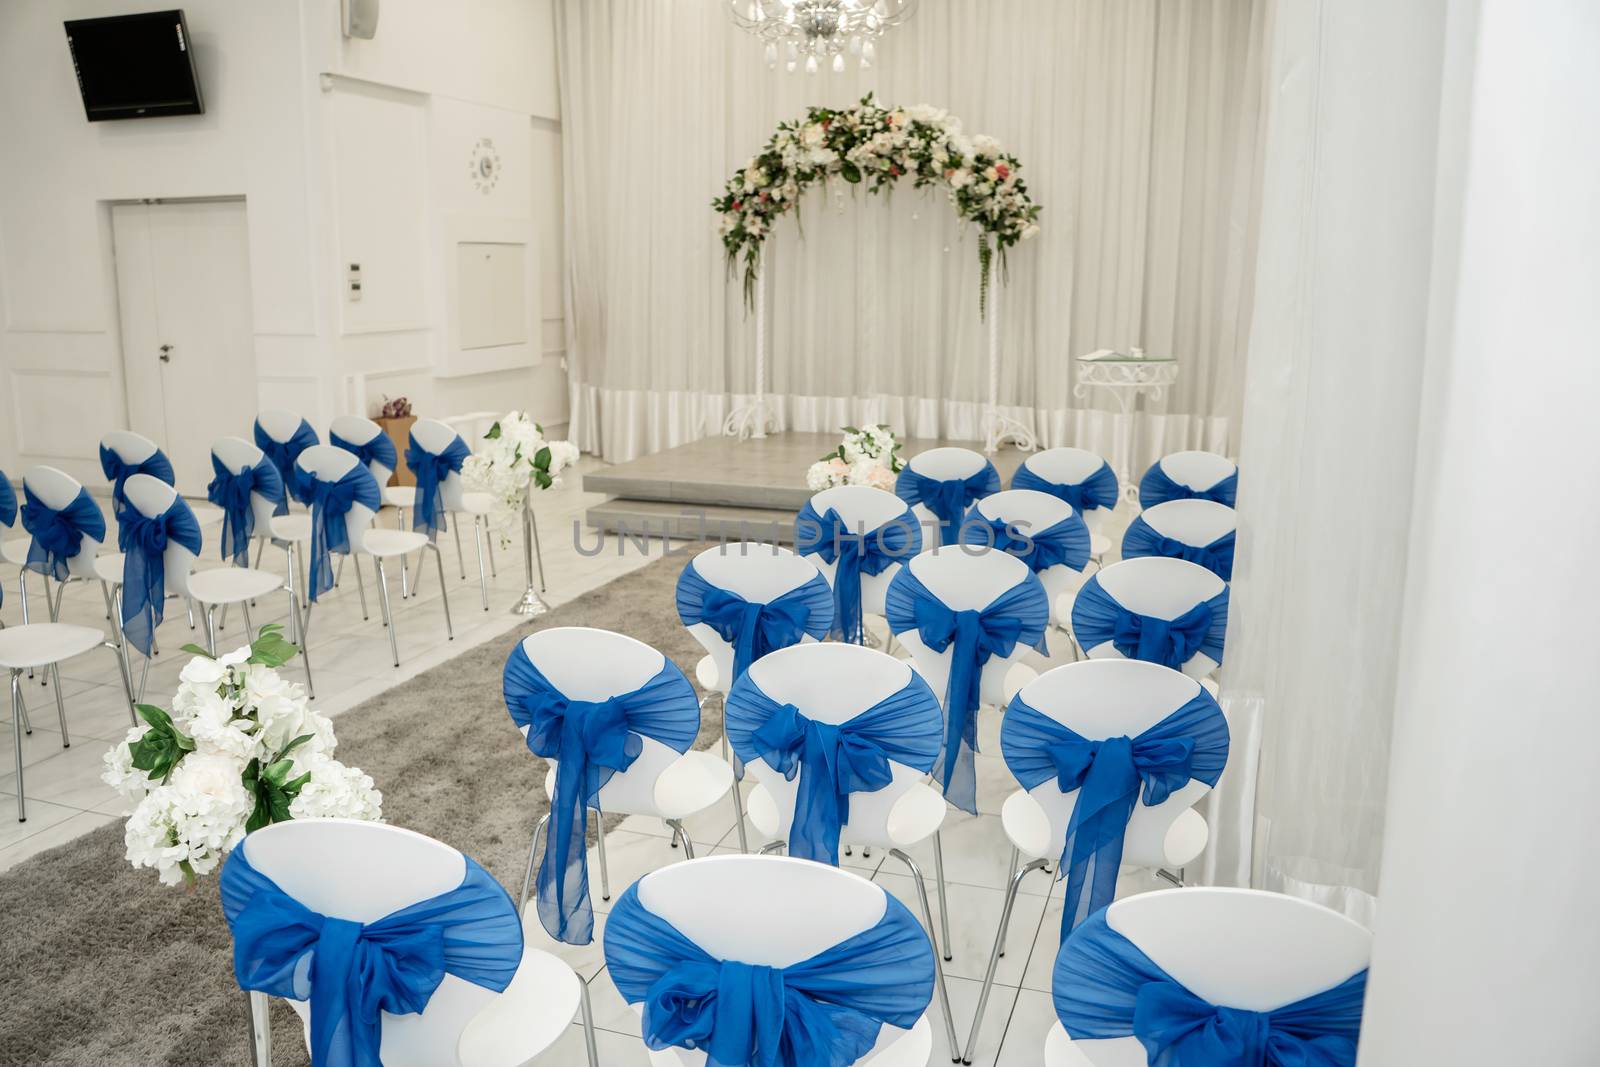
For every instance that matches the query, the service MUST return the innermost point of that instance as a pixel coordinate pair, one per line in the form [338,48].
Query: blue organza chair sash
[832,760]
[431,470]
[1097,617]
[118,471]
[283,455]
[1017,616]
[854,552]
[1099,490]
[949,499]
[1066,543]
[826,1011]
[57,536]
[590,741]
[1104,987]
[1142,539]
[143,541]
[1156,488]
[1110,775]
[330,501]
[231,492]
[353,972]
[755,628]
[379,450]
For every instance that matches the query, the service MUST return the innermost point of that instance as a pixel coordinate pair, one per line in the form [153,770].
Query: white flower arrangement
[515,458]
[874,146]
[241,748]
[866,456]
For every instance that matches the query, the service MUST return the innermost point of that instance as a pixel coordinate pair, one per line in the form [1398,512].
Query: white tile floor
[352,662]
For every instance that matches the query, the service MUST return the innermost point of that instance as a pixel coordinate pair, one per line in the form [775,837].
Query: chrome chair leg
[688,846]
[122,638]
[1011,870]
[127,683]
[938,965]
[338,572]
[1168,876]
[361,587]
[211,630]
[189,601]
[305,653]
[249,627]
[404,575]
[600,834]
[22,586]
[944,903]
[388,613]
[588,1023]
[488,539]
[461,556]
[738,800]
[27,724]
[533,852]
[16,733]
[444,594]
[995,953]
[483,581]
[61,707]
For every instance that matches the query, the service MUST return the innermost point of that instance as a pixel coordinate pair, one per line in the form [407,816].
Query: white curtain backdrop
[1136,122]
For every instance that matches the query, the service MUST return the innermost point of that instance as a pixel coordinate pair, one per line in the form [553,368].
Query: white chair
[1237,948]
[726,905]
[149,497]
[1097,699]
[1195,523]
[435,436]
[833,683]
[1031,511]
[43,646]
[364,871]
[226,586]
[356,435]
[588,664]
[943,465]
[969,579]
[327,463]
[292,528]
[863,508]
[54,489]
[1195,471]
[760,574]
[1073,466]
[1161,588]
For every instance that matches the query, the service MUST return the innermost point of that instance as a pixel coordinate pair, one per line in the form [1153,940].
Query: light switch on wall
[354,285]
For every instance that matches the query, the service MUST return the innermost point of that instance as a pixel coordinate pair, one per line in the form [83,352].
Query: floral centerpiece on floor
[513,459]
[874,146]
[240,749]
[866,456]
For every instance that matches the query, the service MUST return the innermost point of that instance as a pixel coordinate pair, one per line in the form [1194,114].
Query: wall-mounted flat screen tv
[135,66]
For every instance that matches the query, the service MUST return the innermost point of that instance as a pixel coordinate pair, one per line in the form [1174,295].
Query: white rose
[1030,230]
[203,672]
[119,772]
[985,145]
[817,477]
[961,179]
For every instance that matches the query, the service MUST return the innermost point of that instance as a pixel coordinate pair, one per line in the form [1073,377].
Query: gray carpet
[100,964]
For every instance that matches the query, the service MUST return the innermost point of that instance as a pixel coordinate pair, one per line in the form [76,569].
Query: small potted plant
[396,419]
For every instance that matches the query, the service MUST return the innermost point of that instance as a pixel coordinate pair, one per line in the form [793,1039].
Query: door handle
[166,353]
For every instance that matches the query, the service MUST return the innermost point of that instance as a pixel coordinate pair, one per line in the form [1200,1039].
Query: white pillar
[1488,930]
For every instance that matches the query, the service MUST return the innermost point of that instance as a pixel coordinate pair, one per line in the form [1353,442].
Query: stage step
[654,519]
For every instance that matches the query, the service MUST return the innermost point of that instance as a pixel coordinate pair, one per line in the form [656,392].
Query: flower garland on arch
[876,146]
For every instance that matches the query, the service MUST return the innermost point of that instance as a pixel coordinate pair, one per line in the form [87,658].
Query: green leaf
[541,459]
[196,650]
[270,649]
[849,429]
[543,480]
[850,172]
[273,789]
[162,747]
[493,434]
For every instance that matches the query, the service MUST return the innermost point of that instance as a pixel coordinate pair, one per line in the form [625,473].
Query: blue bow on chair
[331,501]
[1065,543]
[1157,488]
[118,472]
[1016,616]
[144,541]
[826,1011]
[57,536]
[283,455]
[1105,987]
[379,450]
[1142,539]
[854,553]
[1099,490]
[832,761]
[431,470]
[755,628]
[1097,618]
[231,492]
[1111,776]
[357,971]
[590,741]
[948,500]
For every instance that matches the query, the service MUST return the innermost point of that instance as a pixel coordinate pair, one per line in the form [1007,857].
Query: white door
[188,346]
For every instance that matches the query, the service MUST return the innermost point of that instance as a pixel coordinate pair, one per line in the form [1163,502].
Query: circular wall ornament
[484,166]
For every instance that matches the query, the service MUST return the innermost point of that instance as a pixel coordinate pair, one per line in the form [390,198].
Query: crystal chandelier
[811,31]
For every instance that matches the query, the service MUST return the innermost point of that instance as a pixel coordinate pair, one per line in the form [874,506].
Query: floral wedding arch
[872,146]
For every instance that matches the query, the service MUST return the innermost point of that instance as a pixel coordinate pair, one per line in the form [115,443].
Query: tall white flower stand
[530,603]
[998,428]
[1126,376]
[752,420]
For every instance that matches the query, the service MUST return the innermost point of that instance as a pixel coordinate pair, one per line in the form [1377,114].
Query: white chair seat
[911,1049]
[295,526]
[530,1016]
[1099,545]
[693,782]
[705,672]
[1186,838]
[1026,825]
[400,496]
[230,585]
[1059,1051]
[383,542]
[916,816]
[108,568]
[16,550]
[43,643]
[475,503]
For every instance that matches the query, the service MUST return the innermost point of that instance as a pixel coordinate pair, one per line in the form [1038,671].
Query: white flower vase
[530,603]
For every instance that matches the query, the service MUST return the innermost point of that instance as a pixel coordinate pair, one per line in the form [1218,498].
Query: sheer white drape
[1136,123]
